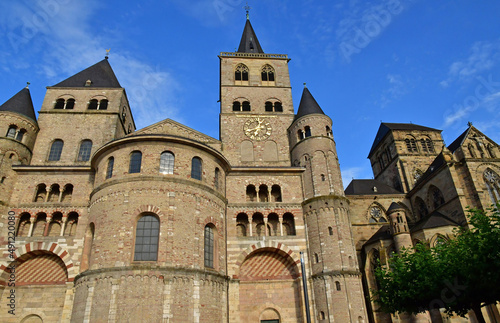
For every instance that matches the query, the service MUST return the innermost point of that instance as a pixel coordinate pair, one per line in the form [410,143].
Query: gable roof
[100,74]
[457,143]
[249,42]
[385,128]
[365,187]
[308,105]
[171,127]
[433,220]
[20,103]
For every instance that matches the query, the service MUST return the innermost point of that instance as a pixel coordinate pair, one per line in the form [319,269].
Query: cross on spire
[247,9]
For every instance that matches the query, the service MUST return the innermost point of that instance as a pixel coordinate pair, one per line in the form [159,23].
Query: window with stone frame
[109,168]
[167,161]
[241,74]
[492,181]
[411,145]
[146,238]
[135,162]
[85,150]
[436,196]
[56,150]
[267,75]
[196,168]
[376,215]
[209,245]
[11,133]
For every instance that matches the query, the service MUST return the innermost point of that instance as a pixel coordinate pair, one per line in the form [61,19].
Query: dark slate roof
[101,75]
[394,206]
[249,42]
[384,233]
[365,187]
[433,220]
[458,142]
[308,105]
[435,165]
[386,127]
[20,103]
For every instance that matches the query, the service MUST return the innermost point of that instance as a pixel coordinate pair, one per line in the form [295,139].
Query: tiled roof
[100,75]
[365,187]
[20,103]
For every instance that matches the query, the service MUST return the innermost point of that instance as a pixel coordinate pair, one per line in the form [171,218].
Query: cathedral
[101,222]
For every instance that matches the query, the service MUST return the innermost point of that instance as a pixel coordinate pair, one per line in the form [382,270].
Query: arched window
[421,207]
[251,193]
[246,106]
[209,246]
[71,224]
[85,150]
[316,258]
[135,162]
[70,104]
[20,135]
[167,160]
[54,193]
[146,238]
[276,193]
[321,315]
[263,193]
[278,107]
[330,231]
[436,196]
[411,145]
[258,227]
[109,169]
[24,225]
[267,74]
[59,104]
[236,106]
[288,224]
[67,193]
[103,105]
[217,178]
[307,130]
[56,150]
[196,168]
[241,225]
[268,106]
[11,133]
[337,285]
[492,181]
[41,193]
[300,134]
[328,131]
[93,104]
[241,74]
[273,224]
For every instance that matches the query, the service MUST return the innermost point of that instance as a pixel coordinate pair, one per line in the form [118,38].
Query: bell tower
[256,104]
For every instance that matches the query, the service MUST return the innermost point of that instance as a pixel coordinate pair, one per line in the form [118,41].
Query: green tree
[459,274]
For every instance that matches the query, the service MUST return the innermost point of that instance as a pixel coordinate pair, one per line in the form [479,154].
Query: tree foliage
[459,274]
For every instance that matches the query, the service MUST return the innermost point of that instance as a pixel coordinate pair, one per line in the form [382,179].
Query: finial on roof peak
[469,124]
[107,53]
[305,86]
[28,85]
[247,9]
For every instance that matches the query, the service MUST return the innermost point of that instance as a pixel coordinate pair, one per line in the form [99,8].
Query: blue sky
[434,63]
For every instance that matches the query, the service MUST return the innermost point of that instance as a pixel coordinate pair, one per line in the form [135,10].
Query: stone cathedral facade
[167,224]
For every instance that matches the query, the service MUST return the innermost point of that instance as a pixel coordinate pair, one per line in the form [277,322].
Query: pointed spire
[99,75]
[308,104]
[20,103]
[249,42]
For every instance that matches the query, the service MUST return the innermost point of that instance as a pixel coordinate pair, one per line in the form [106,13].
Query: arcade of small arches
[269,225]
[477,149]
[42,224]
[423,144]
[16,133]
[263,194]
[241,75]
[271,105]
[53,193]
[69,104]
[306,132]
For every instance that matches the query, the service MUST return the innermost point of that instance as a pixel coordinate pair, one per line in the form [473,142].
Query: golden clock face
[257,128]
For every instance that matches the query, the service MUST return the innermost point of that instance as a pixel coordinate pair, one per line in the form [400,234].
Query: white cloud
[354,173]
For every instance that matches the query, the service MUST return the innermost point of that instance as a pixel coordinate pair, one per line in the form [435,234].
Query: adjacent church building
[167,224]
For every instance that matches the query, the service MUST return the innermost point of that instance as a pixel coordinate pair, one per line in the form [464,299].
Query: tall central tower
[256,104]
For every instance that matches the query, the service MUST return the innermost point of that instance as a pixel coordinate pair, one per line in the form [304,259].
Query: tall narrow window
[11,133]
[20,135]
[103,104]
[146,238]
[209,246]
[167,160]
[56,150]
[85,150]
[246,106]
[267,74]
[217,178]
[109,169]
[241,74]
[308,131]
[196,168]
[70,104]
[93,104]
[135,162]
